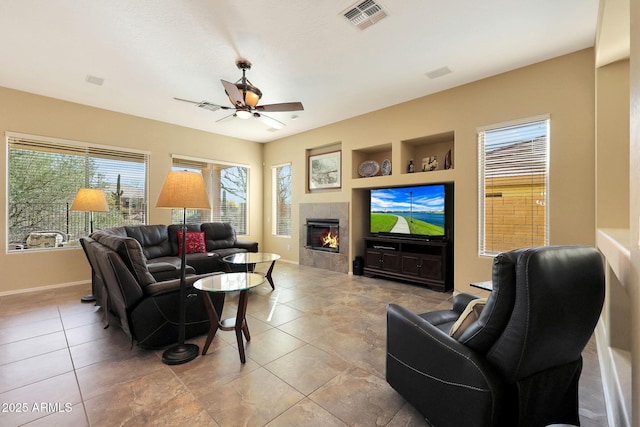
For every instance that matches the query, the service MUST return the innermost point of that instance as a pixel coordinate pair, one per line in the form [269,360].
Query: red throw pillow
[195,242]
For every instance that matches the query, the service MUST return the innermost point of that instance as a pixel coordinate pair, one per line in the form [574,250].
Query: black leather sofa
[159,244]
[136,278]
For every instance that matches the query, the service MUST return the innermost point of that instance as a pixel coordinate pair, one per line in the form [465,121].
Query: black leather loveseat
[135,277]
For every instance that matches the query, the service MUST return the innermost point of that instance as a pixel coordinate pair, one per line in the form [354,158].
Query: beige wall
[634,209]
[612,145]
[562,87]
[618,211]
[614,332]
[37,115]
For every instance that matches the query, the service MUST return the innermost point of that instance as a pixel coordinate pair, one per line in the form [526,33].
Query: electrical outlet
[288,247]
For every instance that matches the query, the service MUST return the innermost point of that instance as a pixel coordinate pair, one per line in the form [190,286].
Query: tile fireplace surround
[320,259]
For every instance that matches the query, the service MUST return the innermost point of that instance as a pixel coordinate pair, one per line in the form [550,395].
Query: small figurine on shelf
[447,160]
[410,167]
[429,164]
[434,164]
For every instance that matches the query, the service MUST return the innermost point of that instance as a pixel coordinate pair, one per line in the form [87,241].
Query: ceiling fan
[244,97]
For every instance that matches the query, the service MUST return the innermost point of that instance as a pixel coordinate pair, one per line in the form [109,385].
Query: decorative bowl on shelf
[368,168]
[386,167]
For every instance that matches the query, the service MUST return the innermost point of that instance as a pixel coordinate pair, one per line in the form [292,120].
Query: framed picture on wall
[325,170]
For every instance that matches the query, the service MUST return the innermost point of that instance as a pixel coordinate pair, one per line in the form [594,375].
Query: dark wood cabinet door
[373,259]
[432,267]
[391,261]
[411,264]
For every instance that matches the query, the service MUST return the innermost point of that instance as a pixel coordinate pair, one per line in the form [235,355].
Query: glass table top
[250,258]
[229,282]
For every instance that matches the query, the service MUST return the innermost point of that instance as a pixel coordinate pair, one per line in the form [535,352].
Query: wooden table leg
[268,275]
[227,267]
[214,321]
[241,326]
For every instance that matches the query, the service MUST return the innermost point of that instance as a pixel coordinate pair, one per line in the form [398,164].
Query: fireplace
[323,234]
[330,259]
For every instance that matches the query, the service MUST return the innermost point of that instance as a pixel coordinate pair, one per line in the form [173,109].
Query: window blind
[281,200]
[45,175]
[513,186]
[227,187]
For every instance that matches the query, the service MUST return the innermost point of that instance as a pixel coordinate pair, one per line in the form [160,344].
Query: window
[44,177]
[281,185]
[513,186]
[227,186]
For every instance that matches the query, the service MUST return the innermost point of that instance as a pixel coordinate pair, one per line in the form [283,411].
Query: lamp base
[181,353]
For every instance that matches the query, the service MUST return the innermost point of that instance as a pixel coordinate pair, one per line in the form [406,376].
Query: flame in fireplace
[330,240]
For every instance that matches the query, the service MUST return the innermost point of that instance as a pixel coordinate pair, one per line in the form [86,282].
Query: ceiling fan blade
[187,100]
[284,106]
[270,121]
[209,106]
[225,118]
[233,93]
[205,104]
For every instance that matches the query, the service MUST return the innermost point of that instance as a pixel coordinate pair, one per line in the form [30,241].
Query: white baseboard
[615,371]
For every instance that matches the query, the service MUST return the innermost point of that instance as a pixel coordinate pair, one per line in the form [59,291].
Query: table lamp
[89,200]
[182,189]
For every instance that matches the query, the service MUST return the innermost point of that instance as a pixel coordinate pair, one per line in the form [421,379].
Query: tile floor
[316,358]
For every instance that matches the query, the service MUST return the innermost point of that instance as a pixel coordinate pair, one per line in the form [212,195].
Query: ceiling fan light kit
[243,114]
[244,97]
[250,94]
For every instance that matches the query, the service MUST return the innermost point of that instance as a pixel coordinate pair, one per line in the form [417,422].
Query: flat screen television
[422,212]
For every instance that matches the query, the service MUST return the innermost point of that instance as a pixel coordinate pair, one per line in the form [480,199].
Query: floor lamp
[89,200]
[182,189]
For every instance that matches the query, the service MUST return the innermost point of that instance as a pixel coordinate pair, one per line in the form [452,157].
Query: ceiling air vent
[364,14]
[94,80]
[434,74]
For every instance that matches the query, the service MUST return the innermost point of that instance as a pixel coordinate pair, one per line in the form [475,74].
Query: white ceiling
[150,51]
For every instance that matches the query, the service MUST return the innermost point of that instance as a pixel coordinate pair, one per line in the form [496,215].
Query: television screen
[412,211]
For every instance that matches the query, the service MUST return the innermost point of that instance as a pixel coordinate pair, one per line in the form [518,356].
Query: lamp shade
[183,189]
[90,200]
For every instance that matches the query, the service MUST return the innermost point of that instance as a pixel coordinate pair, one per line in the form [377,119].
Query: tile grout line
[73,365]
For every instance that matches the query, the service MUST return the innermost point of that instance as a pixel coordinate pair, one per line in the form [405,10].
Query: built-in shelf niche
[377,153]
[427,146]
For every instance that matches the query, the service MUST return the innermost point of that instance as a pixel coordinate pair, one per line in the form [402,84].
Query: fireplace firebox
[323,234]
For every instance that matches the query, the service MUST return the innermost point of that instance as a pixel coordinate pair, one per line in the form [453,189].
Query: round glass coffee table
[229,282]
[250,259]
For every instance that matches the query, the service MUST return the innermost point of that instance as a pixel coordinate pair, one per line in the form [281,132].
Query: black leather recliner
[520,362]
[147,310]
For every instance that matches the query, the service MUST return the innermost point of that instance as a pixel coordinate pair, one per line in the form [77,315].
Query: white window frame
[178,158]
[275,191]
[538,170]
[76,147]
